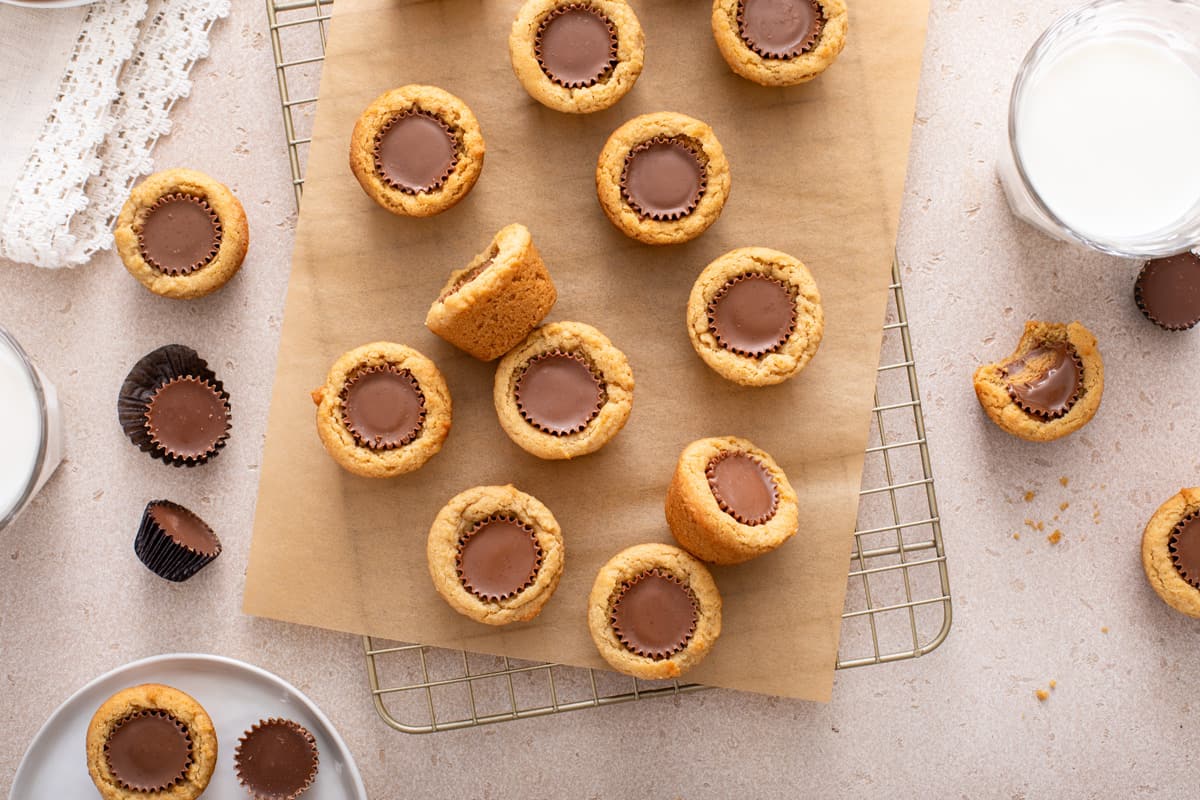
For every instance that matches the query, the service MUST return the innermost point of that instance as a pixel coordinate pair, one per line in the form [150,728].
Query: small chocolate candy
[173,542]
[654,614]
[780,29]
[498,558]
[383,407]
[743,488]
[752,315]
[558,393]
[180,234]
[663,178]
[415,152]
[148,751]
[1168,291]
[186,417]
[468,276]
[576,45]
[1045,381]
[1184,547]
[276,759]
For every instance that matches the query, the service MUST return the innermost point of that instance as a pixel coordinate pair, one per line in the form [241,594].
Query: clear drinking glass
[23,379]
[1173,24]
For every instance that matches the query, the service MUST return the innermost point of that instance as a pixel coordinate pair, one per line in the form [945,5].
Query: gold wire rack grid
[898,593]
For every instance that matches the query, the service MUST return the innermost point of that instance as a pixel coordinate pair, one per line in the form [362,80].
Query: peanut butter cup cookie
[779,42]
[384,410]
[495,554]
[151,742]
[755,316]
[1168,291]
[1171,552]
[1049,387]
[493,303]
[662,178]
[182,234]
[576,57]
[654,611]
[564,392]
[729,501]
[417,150]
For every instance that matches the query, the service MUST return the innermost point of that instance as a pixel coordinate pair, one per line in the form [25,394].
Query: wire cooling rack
[898,595]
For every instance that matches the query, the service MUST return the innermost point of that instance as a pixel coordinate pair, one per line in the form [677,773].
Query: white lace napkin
[129,64]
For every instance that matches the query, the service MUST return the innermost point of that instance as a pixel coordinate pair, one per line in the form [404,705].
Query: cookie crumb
[1064,480]
[1104,629]
[1063,506]
[1053,684]
[1016,535]
[1029,496]
[1042,695]
[1041,526]
[1055,537]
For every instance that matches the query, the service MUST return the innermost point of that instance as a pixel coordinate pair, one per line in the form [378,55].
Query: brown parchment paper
[817,171]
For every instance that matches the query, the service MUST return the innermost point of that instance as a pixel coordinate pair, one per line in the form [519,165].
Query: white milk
[20,428]
[1109,135]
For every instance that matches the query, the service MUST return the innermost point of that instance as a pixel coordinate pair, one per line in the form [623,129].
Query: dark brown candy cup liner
[1147,313]
[167,363]
[646,145]
[709,474]
[629,584]
[599,378]
[558,11]
[387,126]
[805,47]
[499,517]
[164,556]
[1193,580]
[712,307]
[240,767]
[1066,407]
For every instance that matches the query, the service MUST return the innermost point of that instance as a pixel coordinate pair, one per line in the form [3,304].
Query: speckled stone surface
[961,722]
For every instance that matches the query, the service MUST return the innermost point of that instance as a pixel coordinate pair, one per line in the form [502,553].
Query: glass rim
[9,514]
[1150,248]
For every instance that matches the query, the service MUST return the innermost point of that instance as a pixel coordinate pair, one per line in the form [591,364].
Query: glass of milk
[30,429]
[1104,129]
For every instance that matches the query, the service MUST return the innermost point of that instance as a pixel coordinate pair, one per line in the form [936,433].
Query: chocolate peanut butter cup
[1046,381]
[172,406]
[468,276]
[1184,546]
[559,393]
[663,178]
[277,759]
[148,751]
[498,558]
[752,315]
[180,234]
[173,542]
[654,614]
[415,152]
[743,487]
[576,45]
[1168,291]
[780,29]
[383,407]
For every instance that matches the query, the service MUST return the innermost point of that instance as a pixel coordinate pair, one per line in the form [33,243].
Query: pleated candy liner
[720,295]
[512,519]
[387,126]
[601,387]
[612,46]
[631,645]
[710,472]
[1058,413]
[1173,544]
[185,734]
[244,767]
[167,363]
[693,201]
[808,44]
[162,554]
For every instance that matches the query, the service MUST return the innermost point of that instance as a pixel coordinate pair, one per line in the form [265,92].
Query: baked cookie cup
[779,42]
[1171,552]
[383,411]
[1049,387]
[755,316]
[662,178]
[417,150]
[729,501]
[151,742]
[182,234]
[495,554]
[566,391]
[654,611]
[487,307]
[576,56]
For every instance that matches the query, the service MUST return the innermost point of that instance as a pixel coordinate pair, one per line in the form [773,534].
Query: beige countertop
[963,721]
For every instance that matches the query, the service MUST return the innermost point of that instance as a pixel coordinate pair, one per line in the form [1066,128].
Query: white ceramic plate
[234,693]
